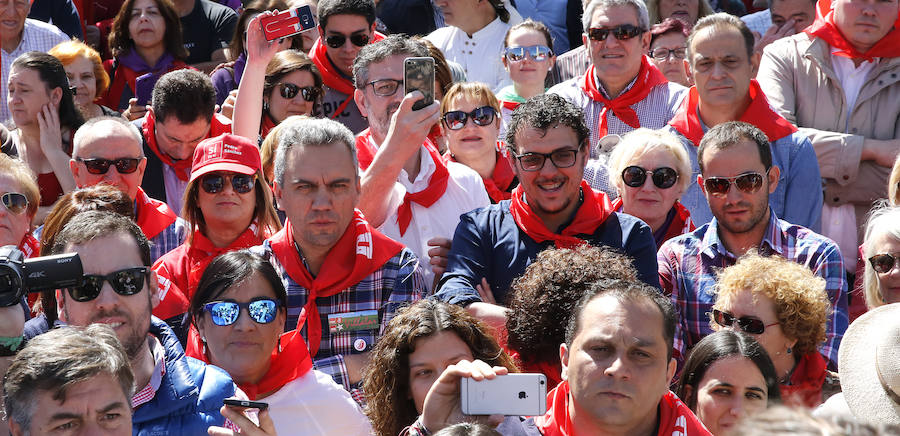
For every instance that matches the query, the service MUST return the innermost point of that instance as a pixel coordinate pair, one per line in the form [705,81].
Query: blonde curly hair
[799,296]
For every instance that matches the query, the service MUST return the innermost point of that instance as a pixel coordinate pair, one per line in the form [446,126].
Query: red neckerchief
[499,186]
[590,215]
[806,382]
[365,150]
[266,125]
[511,105]
[368,248]
[648,77]
[675,418]
[758,113]
[202,252]
[823,27]
[217,126]
[680,224]
[437,185]
[289,361]
[330,76]
[153,216]
[30,246]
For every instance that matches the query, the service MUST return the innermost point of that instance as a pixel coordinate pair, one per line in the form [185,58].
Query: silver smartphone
[511,395]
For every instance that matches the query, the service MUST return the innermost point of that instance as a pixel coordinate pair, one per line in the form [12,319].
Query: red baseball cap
[225,152]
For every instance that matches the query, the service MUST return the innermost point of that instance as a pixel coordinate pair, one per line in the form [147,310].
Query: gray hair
[381,50]
[304,131]
[85,131]
[639,6]
[883,220]
[643,140]
[55,361]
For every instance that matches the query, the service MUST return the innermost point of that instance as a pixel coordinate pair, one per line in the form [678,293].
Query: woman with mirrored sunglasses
[528,59]
[651,170]
[668,49]
[237,323]
[471,123]
[276,84]
[785,307]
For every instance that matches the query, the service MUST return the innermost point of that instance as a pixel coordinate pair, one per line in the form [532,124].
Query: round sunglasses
[290,90]
[15,202]
[747,183]
[483,116]
[884,262]
[538,53]
[338,40]
[213,183]
[748,324]
[124,165]
[128,281]
[224,313]
[663,177]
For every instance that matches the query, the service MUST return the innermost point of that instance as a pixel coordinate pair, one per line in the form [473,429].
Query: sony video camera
[19,276]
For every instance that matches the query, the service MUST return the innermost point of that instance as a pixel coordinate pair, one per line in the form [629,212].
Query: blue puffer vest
[190,395]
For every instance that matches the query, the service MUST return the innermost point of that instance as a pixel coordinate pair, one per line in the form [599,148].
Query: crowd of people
[681,216]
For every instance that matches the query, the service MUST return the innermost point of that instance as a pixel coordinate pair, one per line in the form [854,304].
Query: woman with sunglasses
[471,124]
[728,376]
[668,48]
[651,170]
[237,323]
[528,59]
[276,84]
[784,306]
[86,76]
[227,206]
[881,251]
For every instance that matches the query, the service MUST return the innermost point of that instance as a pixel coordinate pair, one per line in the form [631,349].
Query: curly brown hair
[547,293]
[799,296]
[386,379]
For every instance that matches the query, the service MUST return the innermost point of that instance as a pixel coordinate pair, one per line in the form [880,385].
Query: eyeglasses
[662,53]
[125,165]
[539,53]
[214,183]
[483,116]
[748,324]
[535,161]
[622,32]
[884,263]
[222,313]
[15,202]
[747,183]
[385,87]
[338,41]
[128,281]
[290,90]
[663,177]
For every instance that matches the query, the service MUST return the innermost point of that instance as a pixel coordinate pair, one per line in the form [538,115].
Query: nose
[611,40]
[718,71]
[322,200]
[244,322]
[108,298]
[618,368]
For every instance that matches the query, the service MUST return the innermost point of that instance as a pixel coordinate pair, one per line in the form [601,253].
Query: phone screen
[418,75]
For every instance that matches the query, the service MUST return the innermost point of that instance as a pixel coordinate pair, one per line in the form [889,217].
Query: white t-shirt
[314,405]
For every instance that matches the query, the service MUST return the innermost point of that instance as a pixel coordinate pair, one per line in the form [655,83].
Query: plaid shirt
[168,239]
[688,266]
[398,283]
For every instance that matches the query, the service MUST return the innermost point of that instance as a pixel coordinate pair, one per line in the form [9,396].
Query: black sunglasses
[128,281]
[884,263]
[483,116]
[535,161]
[261,310]
[747,183]
[539,53]
[338,41]
[15,202]
[622,32]
[213,183]
[754,326]
[125,165]
[290,90]
[663,177]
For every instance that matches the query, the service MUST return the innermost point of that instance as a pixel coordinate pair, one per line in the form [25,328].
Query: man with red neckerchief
[345,27]
[552,206]
[721,63]
[839,82]
[622,90]
[344,279]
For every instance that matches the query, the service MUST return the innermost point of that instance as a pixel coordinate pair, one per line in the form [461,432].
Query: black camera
[19,276]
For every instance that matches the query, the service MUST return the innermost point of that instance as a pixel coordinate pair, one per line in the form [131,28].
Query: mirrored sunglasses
[15,202]
[223,313]
[213,183]
[290,90]
[128,281]
[747,183]
[538,53]
[884,263]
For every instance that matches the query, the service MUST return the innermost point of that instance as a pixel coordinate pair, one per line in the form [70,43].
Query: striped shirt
[168,239]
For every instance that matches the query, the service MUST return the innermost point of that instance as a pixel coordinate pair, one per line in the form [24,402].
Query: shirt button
[467,42]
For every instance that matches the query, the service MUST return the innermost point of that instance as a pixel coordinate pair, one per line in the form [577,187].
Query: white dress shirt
[315,405]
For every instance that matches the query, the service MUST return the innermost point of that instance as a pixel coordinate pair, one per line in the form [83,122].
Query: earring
[265,105]
[279,344]
[789,351]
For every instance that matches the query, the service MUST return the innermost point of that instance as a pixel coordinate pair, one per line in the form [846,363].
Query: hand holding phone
[287,23]
[245,404]
[510,395]
[418,75]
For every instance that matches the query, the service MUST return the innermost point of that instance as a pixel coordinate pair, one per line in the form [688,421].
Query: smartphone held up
[418,75]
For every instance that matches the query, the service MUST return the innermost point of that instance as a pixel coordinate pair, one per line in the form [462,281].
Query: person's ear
[564,361]
[75,170]
[670,371]
[688,71]
[584,40]
[359,96]
[15,429]
[154,289]
[688,394]
[56,96]
[276,189]
[754,63]
[321,34]
[645,42]
[773,176]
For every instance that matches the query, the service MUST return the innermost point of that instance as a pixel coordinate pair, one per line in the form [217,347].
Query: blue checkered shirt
[168,239]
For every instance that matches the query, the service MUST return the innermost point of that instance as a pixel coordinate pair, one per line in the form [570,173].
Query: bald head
[108,150]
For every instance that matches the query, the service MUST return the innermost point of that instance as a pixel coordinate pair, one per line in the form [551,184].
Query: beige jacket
[797,76]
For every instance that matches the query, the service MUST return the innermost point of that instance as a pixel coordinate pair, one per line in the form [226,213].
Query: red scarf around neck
[437,185]
[511,105]
[202,252]
[331,76]
[675,418]
[758,113]
[805,389]
[153,216]
[498,186]
[590,215]
[648,77]
[289,361]
[218,125]
[30,246]
[365,149]
[825,28]
[266,125]
[360,251]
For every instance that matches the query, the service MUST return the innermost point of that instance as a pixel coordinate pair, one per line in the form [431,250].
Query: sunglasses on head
[748,324]
[538,53]
[14,202]
[290,90]
[884,263]
[535,161]
[483,116]
[747,183]
[214,183]
[222,313]
[128,281]
[338,41]
[663,177]
[125,165]
[622,32]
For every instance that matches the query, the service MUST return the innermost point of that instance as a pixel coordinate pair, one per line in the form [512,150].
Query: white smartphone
[511,395]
